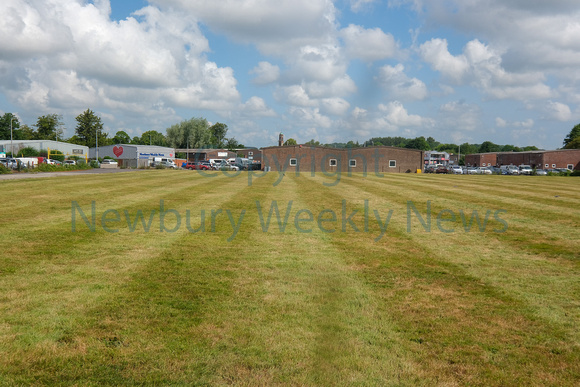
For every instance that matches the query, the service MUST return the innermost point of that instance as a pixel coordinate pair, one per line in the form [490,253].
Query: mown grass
[319,303]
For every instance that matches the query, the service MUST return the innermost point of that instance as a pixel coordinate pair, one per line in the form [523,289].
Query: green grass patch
[175,278]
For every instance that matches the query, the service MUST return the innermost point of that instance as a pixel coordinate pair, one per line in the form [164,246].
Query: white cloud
[256,107]
[265,73]
[276,27]
[294,95]
[399,85]
[368,44]
[435,52]
[310,117]
[481,66]
[558,111]
[459,117]
[396,114]
[334,106]
[73,56]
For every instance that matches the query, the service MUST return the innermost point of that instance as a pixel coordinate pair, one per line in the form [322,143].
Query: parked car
[526,170]
[70,162]
[483,171]
[109,162]
[166,164]
[541,172]
[198,165]
[471,171]
[52,162]
[456,170]
[10,162]
[509,170]
[441,169]
[225,166]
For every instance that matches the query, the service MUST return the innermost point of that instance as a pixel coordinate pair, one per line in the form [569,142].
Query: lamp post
[97,145]
[11,140]
[459,156]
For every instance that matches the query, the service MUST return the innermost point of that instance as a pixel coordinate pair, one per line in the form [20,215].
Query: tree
[121,137]
[313,143]
[574,133]
[218,134]
[418,143]
[488,146]
[5,127]
[28,133]
[432,143]
[49,127]
[153,137]
[290,141]
[193,133]
[88,127]
[574,144]
[232,144]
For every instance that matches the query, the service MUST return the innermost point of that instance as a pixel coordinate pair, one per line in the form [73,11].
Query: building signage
[222,154]
[77,151]
[151,155]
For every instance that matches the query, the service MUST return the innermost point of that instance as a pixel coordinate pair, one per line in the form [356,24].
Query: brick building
[481,159]
[206,154]
[374,159]
[253,154]
[561,158]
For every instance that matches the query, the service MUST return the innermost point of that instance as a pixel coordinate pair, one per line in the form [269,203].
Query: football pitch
[186,278]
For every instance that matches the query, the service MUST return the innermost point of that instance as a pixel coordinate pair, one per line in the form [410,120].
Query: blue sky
[506,71]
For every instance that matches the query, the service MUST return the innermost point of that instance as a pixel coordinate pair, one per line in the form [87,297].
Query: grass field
[224,297]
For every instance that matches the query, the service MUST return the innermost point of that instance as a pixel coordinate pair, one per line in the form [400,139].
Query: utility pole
[97,145]
[11,139]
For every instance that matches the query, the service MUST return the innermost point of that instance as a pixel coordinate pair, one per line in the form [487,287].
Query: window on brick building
[392,163]
[332,162]
[293,162]
[352,163]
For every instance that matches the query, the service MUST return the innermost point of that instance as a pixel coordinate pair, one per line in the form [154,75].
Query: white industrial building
[66,148]
[133,156]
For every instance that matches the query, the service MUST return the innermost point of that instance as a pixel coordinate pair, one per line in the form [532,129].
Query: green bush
[28,152]
[575,173]
[4,170]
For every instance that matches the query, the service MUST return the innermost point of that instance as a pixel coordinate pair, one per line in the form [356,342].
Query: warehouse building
[374,159]
[204,154]
[561,158]
[65,148]
[133,156]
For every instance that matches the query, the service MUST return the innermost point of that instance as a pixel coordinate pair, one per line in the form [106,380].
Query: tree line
[198,133]
[192,133]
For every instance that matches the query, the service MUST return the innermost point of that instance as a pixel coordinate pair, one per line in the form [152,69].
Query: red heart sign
[118,150]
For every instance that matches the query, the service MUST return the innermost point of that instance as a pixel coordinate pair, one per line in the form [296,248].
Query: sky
[506,71]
